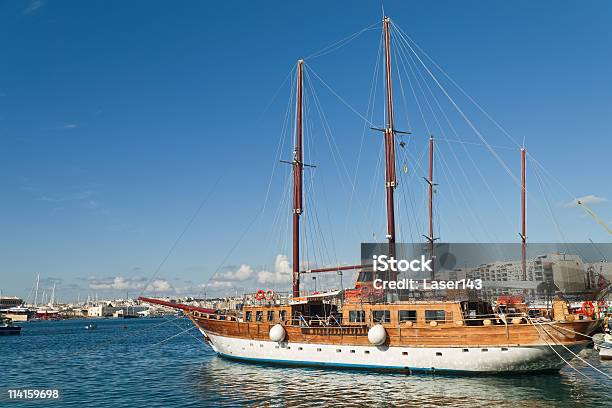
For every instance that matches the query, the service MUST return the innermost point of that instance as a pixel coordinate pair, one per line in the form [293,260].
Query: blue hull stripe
[336,365]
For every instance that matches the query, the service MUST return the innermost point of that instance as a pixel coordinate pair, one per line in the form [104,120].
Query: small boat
[605,348]
[91,326]
[7,328]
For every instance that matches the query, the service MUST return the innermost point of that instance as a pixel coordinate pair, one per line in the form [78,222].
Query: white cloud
[215,284]
[587,199]
[70,126]
[281,274]
[160,285]
[243,273]
[116,283]
[123,283]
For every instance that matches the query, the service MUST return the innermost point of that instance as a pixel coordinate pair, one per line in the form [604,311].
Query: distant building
[10,301]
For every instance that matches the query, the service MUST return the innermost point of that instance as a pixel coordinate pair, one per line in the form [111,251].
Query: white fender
[277,333]
[377,335]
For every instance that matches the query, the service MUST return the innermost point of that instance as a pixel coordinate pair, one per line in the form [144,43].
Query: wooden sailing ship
[345,329]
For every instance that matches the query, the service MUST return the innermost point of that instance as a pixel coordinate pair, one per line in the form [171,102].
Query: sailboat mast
[36,292]
[431,186]
[523,221]
[297,182]
[390,176]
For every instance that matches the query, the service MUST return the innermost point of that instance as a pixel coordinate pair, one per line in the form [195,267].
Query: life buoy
[260,295]
[270,294]
[588,309]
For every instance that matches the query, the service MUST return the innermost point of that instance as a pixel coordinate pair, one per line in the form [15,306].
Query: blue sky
[118,118]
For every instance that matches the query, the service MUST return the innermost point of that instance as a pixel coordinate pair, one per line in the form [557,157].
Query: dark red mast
[297,182]
[523,221]
[390,176]
[431,187]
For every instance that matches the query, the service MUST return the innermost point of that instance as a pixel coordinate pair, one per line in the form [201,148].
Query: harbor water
[163,363]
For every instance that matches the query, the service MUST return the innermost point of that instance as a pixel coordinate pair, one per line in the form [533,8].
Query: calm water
[123,364]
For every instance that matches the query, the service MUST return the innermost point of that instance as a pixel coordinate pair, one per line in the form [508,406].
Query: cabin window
[356,316]
[248,316]
[270,315]
[381,316]
[259,315]
[434,315]
[282,315]
[365,277]
[407,316]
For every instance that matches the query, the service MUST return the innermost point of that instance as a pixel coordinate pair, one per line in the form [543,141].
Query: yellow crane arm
[594,216]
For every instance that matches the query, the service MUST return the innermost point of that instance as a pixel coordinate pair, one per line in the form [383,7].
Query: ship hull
[517,359]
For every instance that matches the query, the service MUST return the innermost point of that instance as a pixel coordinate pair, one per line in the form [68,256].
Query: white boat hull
[433,359]
[605,351]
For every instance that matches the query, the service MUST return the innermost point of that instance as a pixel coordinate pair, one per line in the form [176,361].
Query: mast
[390,176]
[297,182]
[523,221]
[36,292]
[431,184]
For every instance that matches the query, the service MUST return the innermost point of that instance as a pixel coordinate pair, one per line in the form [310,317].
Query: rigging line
[280,145]
[412,201]
[328,133]
[369,212]
[467,120]
[322,247]
[423,92]
[453,130]
[370,111]
[178,239]
[199,339]
[572,196]
[340,43]
[289,74]
[501,128]
[416,99]
[116,338]
[548,207]
[553,349]
[453,183]
[173,336]
[399,77]
[460,141]
[339,97]
[575,354]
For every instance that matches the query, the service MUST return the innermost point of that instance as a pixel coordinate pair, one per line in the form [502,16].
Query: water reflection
[236,383]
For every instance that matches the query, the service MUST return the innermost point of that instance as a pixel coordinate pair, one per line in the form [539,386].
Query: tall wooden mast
[297,182]
[431,184]
[390,176]
[523,221]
